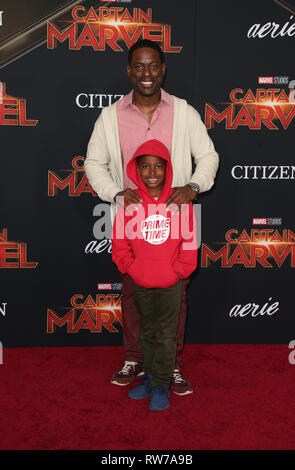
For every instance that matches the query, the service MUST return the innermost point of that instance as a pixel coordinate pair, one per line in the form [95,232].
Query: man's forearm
[101,181]
[97,165]
[205,172]
[205,155]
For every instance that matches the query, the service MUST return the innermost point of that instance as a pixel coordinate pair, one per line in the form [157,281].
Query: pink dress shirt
[134,129]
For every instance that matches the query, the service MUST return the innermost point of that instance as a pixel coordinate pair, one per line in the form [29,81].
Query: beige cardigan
[103,163]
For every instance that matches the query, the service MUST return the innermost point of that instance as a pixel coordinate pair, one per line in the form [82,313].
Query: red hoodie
[153,246]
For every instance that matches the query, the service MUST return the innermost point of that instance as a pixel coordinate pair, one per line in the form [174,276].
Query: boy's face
[152,171]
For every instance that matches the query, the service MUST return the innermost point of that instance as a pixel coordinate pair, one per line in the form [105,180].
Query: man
[148,112]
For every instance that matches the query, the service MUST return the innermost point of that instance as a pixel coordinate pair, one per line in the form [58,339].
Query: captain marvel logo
[155,229]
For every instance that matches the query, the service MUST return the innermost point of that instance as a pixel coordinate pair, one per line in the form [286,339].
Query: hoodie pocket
[152,273]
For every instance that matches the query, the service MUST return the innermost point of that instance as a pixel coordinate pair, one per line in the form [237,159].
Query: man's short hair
[145,43]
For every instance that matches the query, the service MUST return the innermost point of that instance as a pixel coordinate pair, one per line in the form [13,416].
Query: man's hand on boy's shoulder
[182,195]
[128,197]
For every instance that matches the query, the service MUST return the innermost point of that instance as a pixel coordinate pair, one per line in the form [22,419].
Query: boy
[157,255]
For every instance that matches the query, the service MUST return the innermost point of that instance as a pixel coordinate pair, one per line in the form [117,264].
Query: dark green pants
[159,311]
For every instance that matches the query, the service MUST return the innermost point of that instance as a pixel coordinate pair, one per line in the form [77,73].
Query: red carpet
[61,398]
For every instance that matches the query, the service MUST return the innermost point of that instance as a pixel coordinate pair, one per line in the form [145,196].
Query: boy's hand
[181,195]
[126,198]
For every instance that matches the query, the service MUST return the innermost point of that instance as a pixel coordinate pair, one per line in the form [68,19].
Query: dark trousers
[159,312]
[131,322]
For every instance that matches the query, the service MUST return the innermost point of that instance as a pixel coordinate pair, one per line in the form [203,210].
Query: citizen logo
[3,308]
[96,100]
[263,172]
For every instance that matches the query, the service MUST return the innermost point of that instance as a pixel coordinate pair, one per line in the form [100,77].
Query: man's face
[152,171]
[146,71]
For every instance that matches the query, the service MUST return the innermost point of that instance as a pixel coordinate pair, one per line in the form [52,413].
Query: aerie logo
[271,29]
[98,247]
[254,310]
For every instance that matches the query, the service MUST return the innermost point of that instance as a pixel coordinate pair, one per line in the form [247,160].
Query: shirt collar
[127,101]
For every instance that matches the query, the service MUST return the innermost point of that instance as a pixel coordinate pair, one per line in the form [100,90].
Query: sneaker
[179,384]
[142,390]
[127,374]
[159,399]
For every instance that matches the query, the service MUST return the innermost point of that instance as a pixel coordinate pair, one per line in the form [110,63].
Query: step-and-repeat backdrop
[61,63]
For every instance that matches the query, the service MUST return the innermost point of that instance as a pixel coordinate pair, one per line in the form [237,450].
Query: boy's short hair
[140,156]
